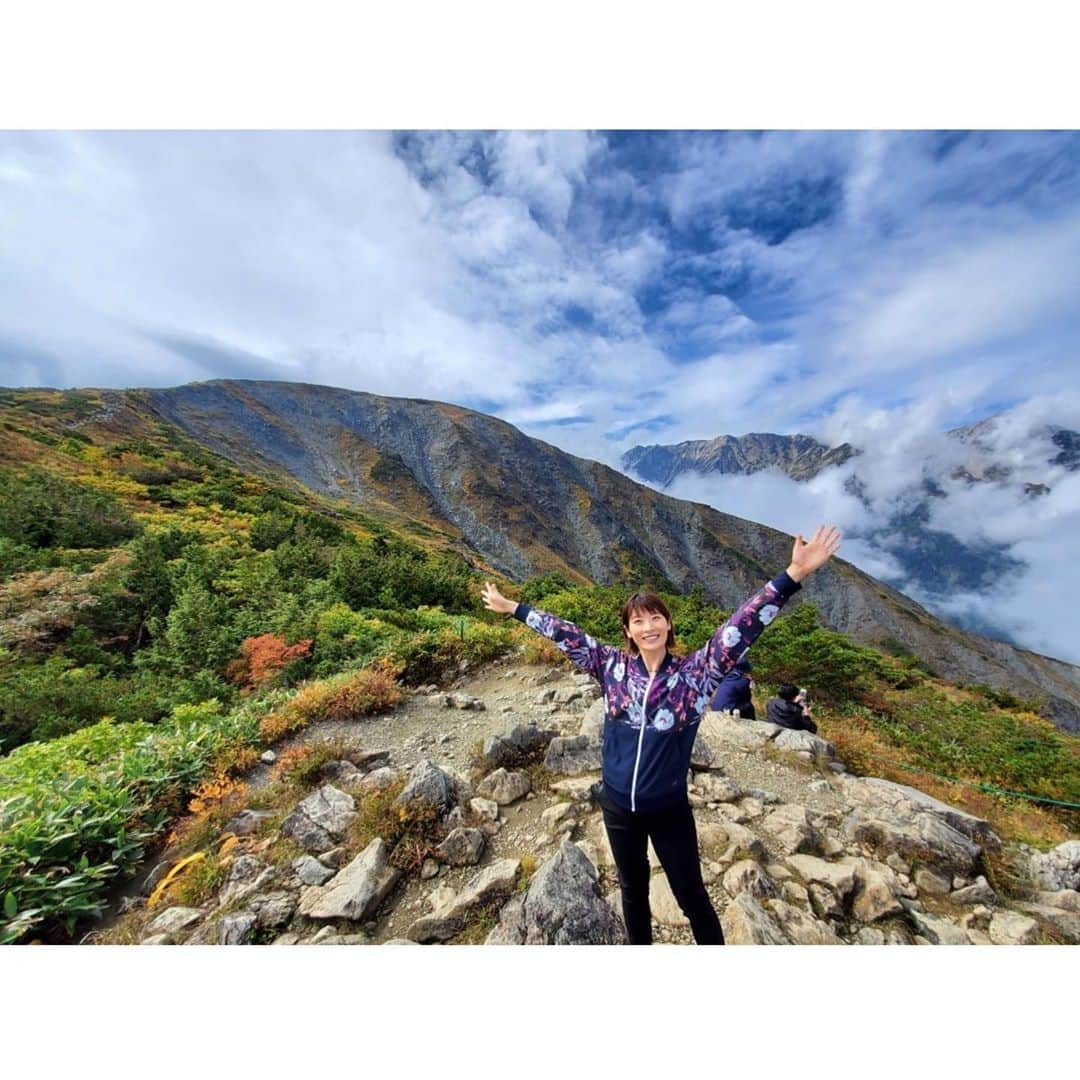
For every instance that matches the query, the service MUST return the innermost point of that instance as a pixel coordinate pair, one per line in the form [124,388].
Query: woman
[654,702]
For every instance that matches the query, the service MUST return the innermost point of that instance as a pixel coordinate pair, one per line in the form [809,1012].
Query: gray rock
[791,827]
[312,872]
[592,723]
[877,890]
[869,935]
[563,905]
[462,847]
[716,788]
[727,840]
[703,757]
[336,857]
[272,909]
[937,930]
[838,876]
[330,809]
[572,755]
[299,827]
[1066,899]
[922,838]
[246,875]
[800,928]
[356,890]
[826,904]
[804,742]
[747,876]
[428,788]
[746,922]
[340,772]
[465,701]
[979,892]
[1012,928]
[151,881]
[905,799]
[368,760]
[268,757]
[1058,868]
[237,928]
[247,822]
[449,917]
[378,779]
[158,939]
[172,920]
[511,746]
[662,903]
[931,881]
[488,809]
[565,697]
[504,787]
[577,789]
[1065,923]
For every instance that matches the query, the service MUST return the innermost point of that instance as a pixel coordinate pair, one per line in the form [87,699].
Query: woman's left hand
[808,556]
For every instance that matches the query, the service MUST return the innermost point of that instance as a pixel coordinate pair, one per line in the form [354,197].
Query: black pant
[674,838]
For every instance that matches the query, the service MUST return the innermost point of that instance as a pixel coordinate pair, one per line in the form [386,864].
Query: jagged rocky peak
[800,456]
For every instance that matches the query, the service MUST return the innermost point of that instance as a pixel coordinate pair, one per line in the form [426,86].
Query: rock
[904,800]
[272,909]
[286,939]
[870,935]
[1012,928]
[299,827]
[158,939]
[922,838]
[572,755]
[268,757]
[340,772]
[746,922]
[979,892]
[236,929]
[462,847]
[429,869]
[151,881]
[246,875]
[722,730]
[592,723]
[1065,923]
[378,779]
[511,746]
[1066,899]
[839,876]
[703,757]
[504,787]
[336,857]
[563,905]
[310,871]
[801,928]
[804,742]
[428,788]
[747,876]
[247,822]
[932,882]
[937,930]
[330,809]
[465,701]
[561,814]
[173,920]
[356,890]
[794,893]
[716,788]
[825,903]
[877,890]
[449,917]
[566,696]
[790,825]
[577,789]
[485,808]
[1058,868]
[728,840]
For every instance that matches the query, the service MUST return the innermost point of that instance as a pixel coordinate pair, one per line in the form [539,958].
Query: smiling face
[647,624]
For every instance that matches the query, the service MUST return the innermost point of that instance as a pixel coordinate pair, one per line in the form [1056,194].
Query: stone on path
[356,890]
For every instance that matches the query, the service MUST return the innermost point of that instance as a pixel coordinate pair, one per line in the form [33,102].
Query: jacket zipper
[641,739]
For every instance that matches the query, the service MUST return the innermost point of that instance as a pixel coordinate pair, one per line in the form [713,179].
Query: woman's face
[648,630]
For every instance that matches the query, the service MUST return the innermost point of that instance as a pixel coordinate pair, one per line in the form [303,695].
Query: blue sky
[598,289]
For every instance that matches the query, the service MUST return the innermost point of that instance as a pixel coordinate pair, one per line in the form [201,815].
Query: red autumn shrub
[263,657]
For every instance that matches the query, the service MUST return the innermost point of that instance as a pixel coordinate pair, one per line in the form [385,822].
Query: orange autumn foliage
[263,657]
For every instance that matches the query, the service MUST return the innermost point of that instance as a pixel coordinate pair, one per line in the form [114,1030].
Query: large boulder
[563,905]
[922,838]
[356,890]
[792,829]
[804,742]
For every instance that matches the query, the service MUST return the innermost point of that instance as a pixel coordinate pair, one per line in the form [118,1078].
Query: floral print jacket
[650,723]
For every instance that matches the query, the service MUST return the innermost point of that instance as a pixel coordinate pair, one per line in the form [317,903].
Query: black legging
[674,838]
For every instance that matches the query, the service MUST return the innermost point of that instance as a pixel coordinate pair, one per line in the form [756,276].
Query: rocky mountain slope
[518,506]
[794,849]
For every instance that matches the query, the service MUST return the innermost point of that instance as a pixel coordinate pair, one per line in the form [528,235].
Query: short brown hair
[650,602]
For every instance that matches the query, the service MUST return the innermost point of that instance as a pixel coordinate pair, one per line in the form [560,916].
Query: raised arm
[711,663]
[583,650]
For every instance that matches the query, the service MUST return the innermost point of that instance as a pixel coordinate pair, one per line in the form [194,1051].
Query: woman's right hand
[495,601]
